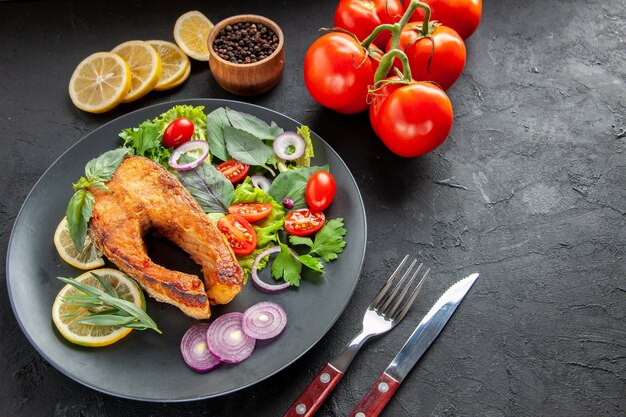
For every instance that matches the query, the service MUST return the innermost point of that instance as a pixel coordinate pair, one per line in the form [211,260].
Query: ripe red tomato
[337,73]
[439,58]
[234,170]
[320,190]
[303,222]
[239,233]
[362,16]
[252,212]
[461,15]
[178,132]
[413,119]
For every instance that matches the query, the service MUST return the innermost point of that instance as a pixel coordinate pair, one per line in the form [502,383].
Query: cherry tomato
[439,58]
[320,190]
[413,119]
[234,170]
[239,233]
[303,222]
[461,15]
[252,212]
[362,16]
[337,73]
[178,132]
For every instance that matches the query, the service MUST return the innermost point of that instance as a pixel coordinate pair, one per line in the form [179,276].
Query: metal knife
[424,334]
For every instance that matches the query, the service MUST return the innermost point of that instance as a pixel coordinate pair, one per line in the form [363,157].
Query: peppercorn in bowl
[247,56]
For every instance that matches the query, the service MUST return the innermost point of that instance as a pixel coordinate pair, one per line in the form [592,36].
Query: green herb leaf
[209,187]
[300,240]
[81,183]
[146,140]
[253,125]
[103,167]
[107,286]
[245,147]
[107,320]
[78,213]
[329,240]
[312,262]
[292,184]
[285,266]
[216,120]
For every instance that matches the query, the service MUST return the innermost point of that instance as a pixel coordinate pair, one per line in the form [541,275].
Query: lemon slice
[191,32]
[65,317]
[182,79]
[100,82]
[145,67]
[88,258]
[174,63]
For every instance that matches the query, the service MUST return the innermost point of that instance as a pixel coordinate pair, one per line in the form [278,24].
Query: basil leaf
[292,184]
[78,213]
[245,147]
[103,167]
[209,187]
[215,122]
[253,125]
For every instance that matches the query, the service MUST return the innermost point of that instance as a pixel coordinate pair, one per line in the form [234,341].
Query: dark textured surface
[529,190]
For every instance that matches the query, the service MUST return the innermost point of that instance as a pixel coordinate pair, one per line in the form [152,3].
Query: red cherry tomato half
[320,190]
[252,212]
[178,132]
[234,170]
[362,16]
[303,222]
[238,232]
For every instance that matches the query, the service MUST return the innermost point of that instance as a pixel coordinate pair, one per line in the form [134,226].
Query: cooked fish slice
[147,197]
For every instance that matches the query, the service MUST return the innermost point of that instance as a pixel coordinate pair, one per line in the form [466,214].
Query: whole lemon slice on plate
[87,258]
[191,32]
[145,67]
[174,64]
[66,317]
[100,82]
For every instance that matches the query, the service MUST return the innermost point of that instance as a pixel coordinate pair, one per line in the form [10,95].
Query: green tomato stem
[385,64]
[368,41]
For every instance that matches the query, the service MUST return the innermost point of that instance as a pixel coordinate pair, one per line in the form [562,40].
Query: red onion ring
[192,145]
[256,280]
[226,339]
[260,182]
[193,347]
[264,320]
[286,140]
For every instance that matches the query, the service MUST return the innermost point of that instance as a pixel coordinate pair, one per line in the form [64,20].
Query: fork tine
[409,303]
[395,290]
[385,287]
[405,290]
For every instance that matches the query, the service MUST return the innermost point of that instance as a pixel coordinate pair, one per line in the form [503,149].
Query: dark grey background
[528,190]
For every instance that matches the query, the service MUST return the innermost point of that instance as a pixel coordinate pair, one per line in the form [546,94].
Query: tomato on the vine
[413,119]
[178,132]
[239,233]
[252,212]
[439,57]
[461,15]
[361,17]
[234,170]
[320,190]
[303,222]
[337,73]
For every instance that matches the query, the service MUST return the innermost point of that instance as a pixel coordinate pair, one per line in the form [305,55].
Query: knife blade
[422,337]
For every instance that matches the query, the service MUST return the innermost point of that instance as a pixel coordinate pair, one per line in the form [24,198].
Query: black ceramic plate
[145,365]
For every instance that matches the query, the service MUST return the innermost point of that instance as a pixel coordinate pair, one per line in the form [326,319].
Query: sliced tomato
[303,222]
[234,170]
[238,232]
[252,212]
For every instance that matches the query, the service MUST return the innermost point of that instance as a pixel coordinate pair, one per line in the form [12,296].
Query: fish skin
[146,197]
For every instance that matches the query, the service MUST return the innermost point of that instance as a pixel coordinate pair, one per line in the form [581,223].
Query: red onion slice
[260,182]
[194,348]
[226,339]
[256,280]
[289,141]
[264,320]
[192,145]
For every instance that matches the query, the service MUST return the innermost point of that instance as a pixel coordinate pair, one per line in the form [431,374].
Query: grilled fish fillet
[147,197]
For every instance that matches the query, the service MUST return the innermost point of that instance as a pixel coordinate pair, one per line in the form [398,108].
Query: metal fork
[384,313]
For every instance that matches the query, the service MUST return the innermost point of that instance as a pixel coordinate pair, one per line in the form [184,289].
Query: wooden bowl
[247,79]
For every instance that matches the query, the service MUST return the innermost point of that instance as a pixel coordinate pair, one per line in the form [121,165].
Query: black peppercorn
[245,42]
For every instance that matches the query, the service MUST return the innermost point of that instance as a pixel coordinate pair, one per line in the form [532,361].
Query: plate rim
[173,103]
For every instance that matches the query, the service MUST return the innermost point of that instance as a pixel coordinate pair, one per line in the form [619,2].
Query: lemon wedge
[65,317]
[174,63]
[145,67]
[88,258]
[100,82]
[191,32]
